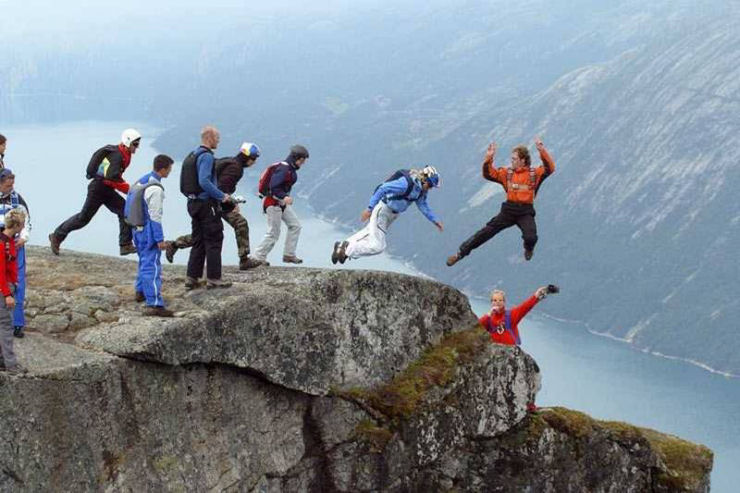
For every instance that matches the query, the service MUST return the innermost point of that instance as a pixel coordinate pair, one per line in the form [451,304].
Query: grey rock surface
[231,394]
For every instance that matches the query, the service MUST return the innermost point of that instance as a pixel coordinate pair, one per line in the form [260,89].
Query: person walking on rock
[390,199]
[144,212]
[198,184]
[105,172]
[229,171]
[278,206]
[14,223]
[10,200]
[521,183]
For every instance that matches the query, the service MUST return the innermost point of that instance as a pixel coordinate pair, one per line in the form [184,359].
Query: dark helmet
[299,152]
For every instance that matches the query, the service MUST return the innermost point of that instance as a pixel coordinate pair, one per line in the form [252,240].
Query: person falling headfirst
[105,172]
[521,183]
[391,198]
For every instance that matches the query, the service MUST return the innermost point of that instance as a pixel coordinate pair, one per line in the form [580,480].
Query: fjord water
[602,377]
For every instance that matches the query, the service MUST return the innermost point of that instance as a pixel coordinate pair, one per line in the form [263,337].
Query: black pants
[520,214]
[208,237]
[97,194]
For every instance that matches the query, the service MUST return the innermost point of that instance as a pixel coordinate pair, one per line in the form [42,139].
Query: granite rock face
[294,380]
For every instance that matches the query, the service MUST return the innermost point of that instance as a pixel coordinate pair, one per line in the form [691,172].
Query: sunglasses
[136,143]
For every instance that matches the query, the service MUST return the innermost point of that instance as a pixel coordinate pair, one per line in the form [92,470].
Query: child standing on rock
[15,220]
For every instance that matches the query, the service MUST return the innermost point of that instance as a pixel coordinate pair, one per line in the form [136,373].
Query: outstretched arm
[489,169]
[547,161]
[423,206]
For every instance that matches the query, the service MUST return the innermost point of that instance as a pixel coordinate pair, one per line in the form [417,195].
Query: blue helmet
[250,150]
[431,175]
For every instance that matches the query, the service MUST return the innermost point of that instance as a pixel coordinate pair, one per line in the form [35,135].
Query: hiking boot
[169,252]
[217,283]
[528,254]
[342,254]
[54,243]
[139,297]
[128,249]
[250,263]
[16,370]
[192,283]
[453,259]
[18,332]
[292,259]
[158,311]
[335,252]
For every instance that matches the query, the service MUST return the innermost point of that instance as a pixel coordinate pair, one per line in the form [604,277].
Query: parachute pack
[395,176]
[189,174]
[133,210]
[263,186]
[97,159]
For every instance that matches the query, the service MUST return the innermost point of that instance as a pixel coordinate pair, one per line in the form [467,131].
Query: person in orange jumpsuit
[521,183]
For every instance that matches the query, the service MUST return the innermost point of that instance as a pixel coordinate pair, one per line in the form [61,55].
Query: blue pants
[19,314]
[149,276]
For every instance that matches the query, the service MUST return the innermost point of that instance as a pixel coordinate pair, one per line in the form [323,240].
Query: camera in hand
[552,289]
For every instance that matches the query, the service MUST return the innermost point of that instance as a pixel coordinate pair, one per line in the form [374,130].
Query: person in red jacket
[503,324]
[105,172]
[15,221]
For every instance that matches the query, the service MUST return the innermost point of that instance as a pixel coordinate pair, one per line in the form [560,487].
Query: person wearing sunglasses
[105,172]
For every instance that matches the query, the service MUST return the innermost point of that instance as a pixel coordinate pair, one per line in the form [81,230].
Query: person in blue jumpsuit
[10,199]
[144,213]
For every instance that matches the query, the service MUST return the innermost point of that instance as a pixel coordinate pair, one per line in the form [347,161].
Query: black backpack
[97,159]
[189,174]
[395,176]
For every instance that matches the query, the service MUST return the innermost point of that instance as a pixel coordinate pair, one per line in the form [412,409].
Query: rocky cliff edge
[294,380]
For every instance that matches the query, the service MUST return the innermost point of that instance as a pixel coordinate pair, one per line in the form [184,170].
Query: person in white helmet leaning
[390,198]
[105,172]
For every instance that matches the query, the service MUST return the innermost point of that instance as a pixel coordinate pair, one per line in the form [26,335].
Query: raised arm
[547,161]
[490,172]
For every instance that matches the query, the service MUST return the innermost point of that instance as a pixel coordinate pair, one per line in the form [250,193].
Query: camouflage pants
[241,232]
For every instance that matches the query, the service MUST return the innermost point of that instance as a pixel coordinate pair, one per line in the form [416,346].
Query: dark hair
[523,153]
[298,152]
[2,139]
[162,161]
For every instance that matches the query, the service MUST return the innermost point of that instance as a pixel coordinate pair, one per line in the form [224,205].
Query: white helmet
[129,136]
[431,175]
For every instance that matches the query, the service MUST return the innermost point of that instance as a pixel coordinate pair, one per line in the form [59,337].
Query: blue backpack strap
[509,329]
[409,184]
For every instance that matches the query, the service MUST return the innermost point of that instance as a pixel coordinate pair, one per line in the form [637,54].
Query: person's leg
[213,238]
[371,239]
[93,201]
[274,218]
[19,313]
[116,204]
[139,241]
[294,231]
[498,223]
[197,258]
[6,336]
[528,227]
[151,275]
[184,241]
[241,232]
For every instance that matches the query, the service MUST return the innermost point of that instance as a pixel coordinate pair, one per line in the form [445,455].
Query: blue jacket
[207,178]
[282,181]
[153,209]
[398,187]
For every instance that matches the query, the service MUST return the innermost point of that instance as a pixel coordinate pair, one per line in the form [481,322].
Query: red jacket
[117,182]
[493,323]
[8,264]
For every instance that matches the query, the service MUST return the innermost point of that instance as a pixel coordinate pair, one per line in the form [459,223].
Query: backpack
[133,210]
[97,159]
[395,176]
[507,328]
[263,186]
[189,174]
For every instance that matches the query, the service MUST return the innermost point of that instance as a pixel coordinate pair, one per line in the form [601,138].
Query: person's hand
[227,198]
[541,293]
[288,200]
[162,245]
[440,226]
[538,143]
[9,302]
[365,215]
[491,151]
[20,242]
